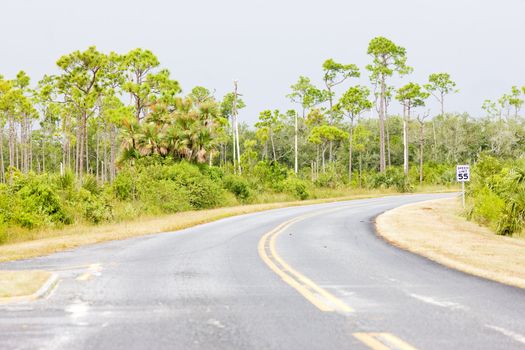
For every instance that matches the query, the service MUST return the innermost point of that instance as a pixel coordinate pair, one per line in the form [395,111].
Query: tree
[411,95]
[421,121]
[322,135]
[81,83]
[231,103]
[353,102]
[307,96]
[440,85]
[335,74]
[267,125]
[387,59]
[514,100]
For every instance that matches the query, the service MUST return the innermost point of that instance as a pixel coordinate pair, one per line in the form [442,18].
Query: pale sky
[266,45]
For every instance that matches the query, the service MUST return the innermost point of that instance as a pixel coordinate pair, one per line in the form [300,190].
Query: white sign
[463,173]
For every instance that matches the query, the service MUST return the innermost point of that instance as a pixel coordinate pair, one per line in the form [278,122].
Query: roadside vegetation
[112,137]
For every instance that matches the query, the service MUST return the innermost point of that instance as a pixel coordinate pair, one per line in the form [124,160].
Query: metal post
[463,193]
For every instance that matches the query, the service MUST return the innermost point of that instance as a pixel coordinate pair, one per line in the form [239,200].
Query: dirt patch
[436,230]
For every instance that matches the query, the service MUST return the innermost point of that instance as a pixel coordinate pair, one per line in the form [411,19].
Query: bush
[95,209]
[392,178]
[238,186]
[124,184]
[162,196]
[296,187]
[39,204]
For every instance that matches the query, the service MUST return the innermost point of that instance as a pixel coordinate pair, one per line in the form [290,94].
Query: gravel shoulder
[435,230]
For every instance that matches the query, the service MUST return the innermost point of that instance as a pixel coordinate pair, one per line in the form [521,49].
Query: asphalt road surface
[311,277]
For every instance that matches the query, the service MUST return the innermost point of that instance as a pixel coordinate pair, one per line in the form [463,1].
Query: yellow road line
[93,269]
[319,297]
[383,341]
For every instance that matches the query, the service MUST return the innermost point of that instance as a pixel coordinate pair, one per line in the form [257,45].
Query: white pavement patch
[515,336]
[441,303]
[78,309]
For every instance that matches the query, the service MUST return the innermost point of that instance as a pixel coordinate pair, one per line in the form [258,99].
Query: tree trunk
[296,130]
[273,145]
[389,158]
[350,146]
[2,166]
[382,163]
[81,143]
[113,153]
[323,151]
[30,144]
[360,169]
[406,116]
[442,102]
[97,150]
[421,146]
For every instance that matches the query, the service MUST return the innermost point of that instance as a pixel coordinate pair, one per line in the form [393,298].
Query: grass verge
[55,240]
[436,230]
[21,283]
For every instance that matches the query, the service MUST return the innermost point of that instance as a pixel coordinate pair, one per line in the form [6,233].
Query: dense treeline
[111,133]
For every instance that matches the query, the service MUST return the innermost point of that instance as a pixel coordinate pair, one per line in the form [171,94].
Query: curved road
[312,277]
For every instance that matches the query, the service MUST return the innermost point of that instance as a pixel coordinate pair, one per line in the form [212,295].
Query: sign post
[463,175]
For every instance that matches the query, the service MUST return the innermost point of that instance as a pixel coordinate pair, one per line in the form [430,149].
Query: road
[311,277]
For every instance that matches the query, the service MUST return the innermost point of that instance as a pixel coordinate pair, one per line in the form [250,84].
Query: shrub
[329,179]
[392,178]
[95,209]
[124,184]
[296,187]
[90,184]
[238,186]
[39,203]
[163,196]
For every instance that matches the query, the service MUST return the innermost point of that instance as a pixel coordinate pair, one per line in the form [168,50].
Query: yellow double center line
[321,298]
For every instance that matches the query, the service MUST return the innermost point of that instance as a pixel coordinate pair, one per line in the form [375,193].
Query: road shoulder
[435,230]
[17,286]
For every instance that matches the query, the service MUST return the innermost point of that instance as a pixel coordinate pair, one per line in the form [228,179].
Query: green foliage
[392,178]
[124,185]
[239,186]
[296,187]
[497,194]
[95,209]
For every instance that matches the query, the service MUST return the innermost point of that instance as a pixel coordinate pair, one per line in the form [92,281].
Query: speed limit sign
[463,173]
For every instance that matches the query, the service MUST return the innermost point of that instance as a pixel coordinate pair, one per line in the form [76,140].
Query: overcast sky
[266,45]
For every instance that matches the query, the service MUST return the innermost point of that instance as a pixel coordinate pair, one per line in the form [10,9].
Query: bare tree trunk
[360,169]
[113,153]
[382,163]
[323,151]
[296,130]
[350,146]
[11,147]
[78,145]
[97,151]
[2,166]
[86,138]
[30,132]
[406,116]
[434,151]
[81,144]
[442,102]
[421,146]
[43,156]
[273,145]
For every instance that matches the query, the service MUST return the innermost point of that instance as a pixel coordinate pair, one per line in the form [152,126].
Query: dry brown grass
[436,230]
[21,283]
[51,241]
